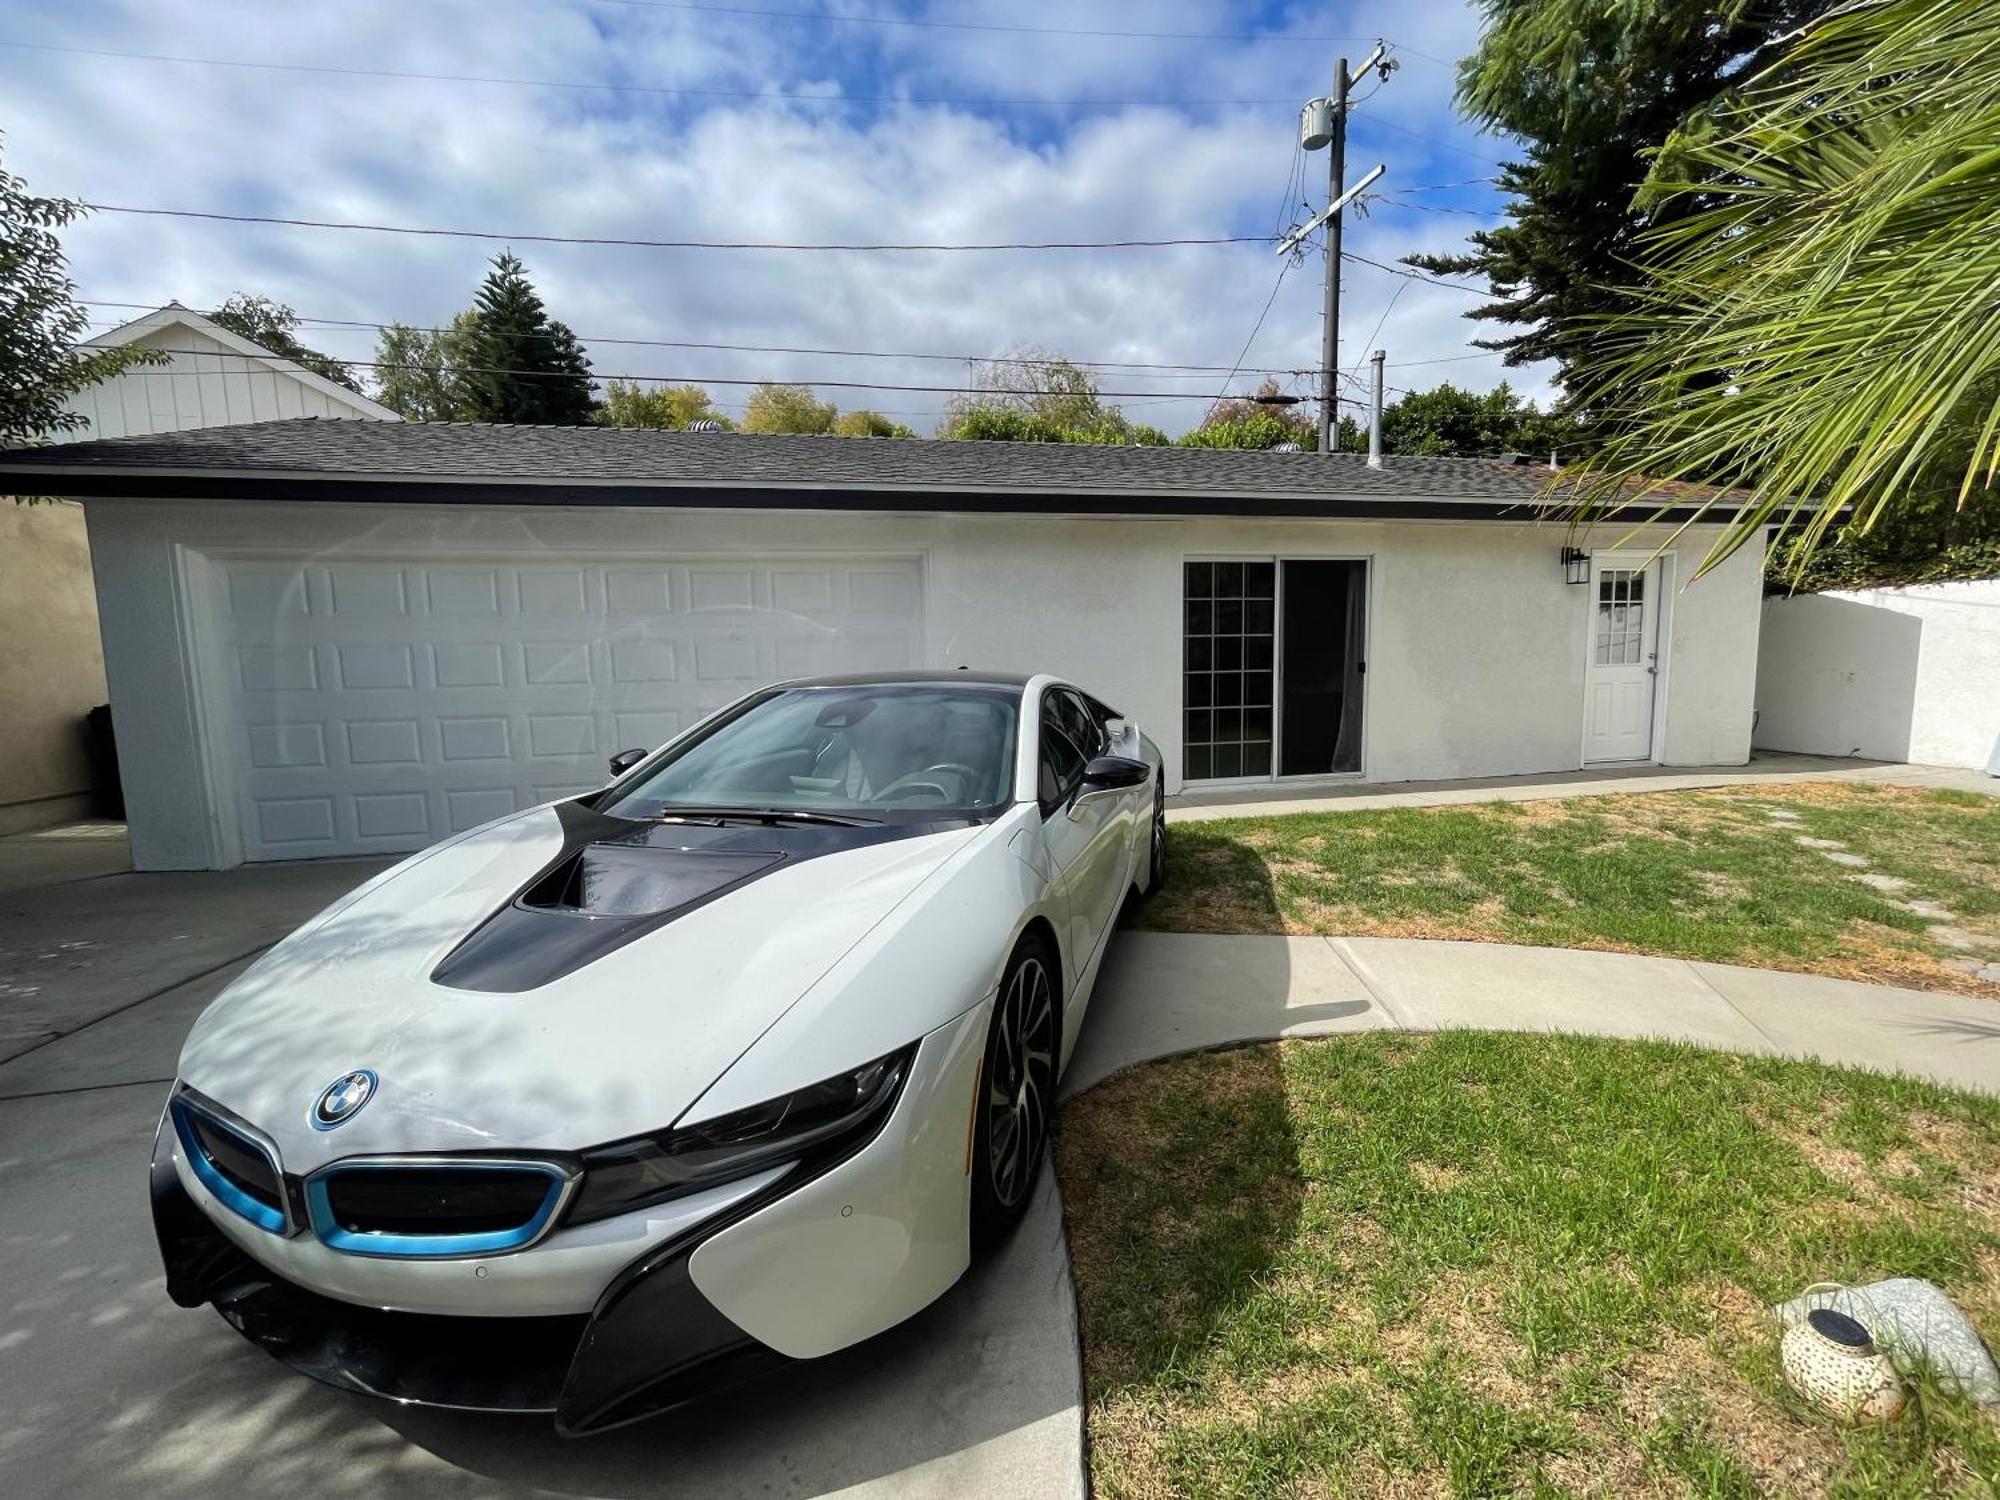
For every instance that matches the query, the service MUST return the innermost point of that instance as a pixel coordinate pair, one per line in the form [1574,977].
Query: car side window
[1082,726]
[1061,764]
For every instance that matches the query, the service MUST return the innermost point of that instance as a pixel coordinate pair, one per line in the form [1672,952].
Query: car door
[1086,833]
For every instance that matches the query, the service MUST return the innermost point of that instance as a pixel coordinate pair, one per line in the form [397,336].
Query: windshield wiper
[766,815]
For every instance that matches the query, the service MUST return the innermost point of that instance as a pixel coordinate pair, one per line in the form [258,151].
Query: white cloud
[654,166]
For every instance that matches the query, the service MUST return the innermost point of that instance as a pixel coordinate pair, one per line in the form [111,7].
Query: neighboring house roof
[475,462]
[185,392]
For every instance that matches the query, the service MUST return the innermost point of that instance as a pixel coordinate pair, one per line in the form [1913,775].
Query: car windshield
[868,749]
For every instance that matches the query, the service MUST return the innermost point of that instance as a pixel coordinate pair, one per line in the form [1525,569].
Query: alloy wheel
[1022,1085]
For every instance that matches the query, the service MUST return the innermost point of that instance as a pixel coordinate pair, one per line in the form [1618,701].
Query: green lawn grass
[1703,874]
[1484,1264]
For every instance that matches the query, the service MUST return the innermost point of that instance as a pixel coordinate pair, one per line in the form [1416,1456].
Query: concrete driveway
[107,1388]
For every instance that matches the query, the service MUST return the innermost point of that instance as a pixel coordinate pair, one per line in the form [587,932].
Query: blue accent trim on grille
[429,1246]
[232,1197]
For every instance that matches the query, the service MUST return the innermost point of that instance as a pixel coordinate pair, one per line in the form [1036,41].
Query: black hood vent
[623,880]
[616,880]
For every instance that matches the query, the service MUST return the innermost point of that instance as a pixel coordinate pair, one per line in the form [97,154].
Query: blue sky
[957,130]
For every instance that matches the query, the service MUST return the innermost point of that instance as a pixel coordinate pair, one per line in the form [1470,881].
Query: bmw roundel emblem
[341,1100]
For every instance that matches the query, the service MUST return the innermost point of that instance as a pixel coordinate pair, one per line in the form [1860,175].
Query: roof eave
[105,481]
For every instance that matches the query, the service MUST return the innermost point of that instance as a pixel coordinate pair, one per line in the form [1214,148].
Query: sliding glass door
[1273,659]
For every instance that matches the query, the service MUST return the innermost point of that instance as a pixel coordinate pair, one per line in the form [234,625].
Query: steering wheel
[914,781]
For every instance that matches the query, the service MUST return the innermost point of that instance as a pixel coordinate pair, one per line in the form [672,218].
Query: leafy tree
[273,326]
[671,407]
[1450,422]
[1006,425]
[773,407]
[1257,429]
[524,366]
[40,321]
[1251,422]
[1037,397]
[420,372]
[864,423]
[1821,328]
[1591,87]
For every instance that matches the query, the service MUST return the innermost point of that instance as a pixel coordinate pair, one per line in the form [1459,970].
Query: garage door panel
[378,706]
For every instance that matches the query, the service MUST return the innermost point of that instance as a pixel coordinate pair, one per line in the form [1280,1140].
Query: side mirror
[625,760]
[1111,773]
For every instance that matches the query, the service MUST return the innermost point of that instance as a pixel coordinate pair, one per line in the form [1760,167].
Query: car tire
[1017,1084]
[1156,842]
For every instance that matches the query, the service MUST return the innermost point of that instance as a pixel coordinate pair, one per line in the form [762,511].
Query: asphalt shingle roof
[641,457]
[304,457]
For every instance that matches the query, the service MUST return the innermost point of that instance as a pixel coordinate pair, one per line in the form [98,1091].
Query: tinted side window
[1077,721]
[1061,767]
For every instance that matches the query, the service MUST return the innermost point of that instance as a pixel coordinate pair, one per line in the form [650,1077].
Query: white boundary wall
[1903,674]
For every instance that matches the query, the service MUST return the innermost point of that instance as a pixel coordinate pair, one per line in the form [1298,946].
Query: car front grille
[437,1207]
[232,1164]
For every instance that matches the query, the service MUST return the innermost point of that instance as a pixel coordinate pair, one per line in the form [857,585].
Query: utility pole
[1329,354]
[1323,122]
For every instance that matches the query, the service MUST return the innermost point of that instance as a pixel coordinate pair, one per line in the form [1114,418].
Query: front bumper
[652,1341]
[808,1259]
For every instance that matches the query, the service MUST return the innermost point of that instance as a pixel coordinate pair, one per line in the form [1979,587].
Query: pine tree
[522,365]
[1591,89]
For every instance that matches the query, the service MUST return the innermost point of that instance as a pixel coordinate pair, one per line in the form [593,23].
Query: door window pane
[1228,651]
[1619,637]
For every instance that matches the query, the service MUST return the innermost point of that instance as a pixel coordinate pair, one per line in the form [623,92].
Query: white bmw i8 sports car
[737,1060]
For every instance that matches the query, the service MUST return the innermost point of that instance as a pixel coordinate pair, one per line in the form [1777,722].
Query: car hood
[722,929]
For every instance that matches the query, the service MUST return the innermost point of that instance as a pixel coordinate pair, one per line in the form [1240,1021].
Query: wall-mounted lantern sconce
[1576,565]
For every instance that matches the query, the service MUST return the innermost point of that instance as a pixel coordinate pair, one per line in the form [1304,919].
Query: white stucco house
[337,637]
[52,671]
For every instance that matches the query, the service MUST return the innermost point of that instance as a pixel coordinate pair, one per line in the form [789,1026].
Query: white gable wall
[1475,655]
[206,384]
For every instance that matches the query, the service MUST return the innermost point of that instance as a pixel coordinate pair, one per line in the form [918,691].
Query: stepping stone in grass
[1852,861]
[1884,882]
[1781,815]
[1918,908]
[1812,843]
[1958,937]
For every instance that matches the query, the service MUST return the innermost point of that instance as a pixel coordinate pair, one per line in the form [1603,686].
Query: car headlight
[824,1118]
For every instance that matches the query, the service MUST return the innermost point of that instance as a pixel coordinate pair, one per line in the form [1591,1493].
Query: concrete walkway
[1763,769]
[1166,992]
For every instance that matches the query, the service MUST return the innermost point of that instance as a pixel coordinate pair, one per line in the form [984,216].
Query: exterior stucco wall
[51,668]
[1909,674]
[1475,652]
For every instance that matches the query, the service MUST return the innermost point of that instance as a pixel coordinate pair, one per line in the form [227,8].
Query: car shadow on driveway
[993,1359]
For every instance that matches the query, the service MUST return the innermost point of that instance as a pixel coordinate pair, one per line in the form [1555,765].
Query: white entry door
[371,707]
[1622,667]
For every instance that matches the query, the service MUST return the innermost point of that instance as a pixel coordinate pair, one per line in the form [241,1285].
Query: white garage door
[375,707]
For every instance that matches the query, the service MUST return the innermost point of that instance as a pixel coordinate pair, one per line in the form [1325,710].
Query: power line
[1452,359]
[704,380]
[1433,208]
[581,239]
[1435,140]
[1355,373]
[1457,286]
[933,25]
[1164,369]
[1256,328]
[774,95]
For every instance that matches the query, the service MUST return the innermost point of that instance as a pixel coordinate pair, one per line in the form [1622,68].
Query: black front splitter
[652,1343]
